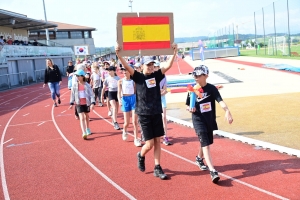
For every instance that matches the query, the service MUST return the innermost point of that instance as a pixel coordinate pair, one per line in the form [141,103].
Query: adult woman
[53,79]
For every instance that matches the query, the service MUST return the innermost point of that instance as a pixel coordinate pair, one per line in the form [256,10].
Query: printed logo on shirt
[204,96]
[205,107]
[151,82]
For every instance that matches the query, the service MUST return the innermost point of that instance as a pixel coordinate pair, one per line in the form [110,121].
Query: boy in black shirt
[148,107]
[204,118]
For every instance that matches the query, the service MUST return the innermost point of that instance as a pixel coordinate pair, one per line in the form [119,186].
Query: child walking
[84,98]
[126,96]
[204,118]
[96,82]
[111,83]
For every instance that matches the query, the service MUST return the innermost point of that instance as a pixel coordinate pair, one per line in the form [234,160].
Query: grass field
[264,53]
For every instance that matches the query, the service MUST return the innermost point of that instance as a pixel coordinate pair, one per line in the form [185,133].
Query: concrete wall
[34,68]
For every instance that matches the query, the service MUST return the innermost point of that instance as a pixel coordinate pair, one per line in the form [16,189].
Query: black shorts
[152,126]
[82,108]
[105,94]
[113,95]
[205,136]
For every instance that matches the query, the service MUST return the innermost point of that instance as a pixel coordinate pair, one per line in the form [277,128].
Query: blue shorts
[128,103]
[163,101]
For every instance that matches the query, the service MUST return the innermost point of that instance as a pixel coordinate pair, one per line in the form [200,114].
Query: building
[66,35]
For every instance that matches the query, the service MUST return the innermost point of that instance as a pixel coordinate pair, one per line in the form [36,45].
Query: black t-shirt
[70,69]
[206,106]
[148,98]
[52,75]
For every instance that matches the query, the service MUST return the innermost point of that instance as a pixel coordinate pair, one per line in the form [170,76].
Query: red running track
[43,156]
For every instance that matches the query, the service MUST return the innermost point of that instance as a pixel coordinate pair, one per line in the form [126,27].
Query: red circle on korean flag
[81,50]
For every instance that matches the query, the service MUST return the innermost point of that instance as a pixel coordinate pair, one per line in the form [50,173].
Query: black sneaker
[200,163]
[55,105]
[141,162]
[214,176]
[158,172]
[58,101]
[116,126]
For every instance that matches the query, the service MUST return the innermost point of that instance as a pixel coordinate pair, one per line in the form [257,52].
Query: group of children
[141,91]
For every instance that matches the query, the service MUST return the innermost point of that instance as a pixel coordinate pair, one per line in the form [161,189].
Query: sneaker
[100,104]
[137,143]
[141,162]
[88,131]
[84,136]
[200,163]
[116,126]
[59,101]
[158,172]
[109,113]
[166,141]
[124,135]
[214,176]
[55,105]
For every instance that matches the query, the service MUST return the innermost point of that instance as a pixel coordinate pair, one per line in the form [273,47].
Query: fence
[14,79]
[273,30]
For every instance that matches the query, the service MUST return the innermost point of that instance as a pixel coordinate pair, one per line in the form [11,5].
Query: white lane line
[8,141]
[46,105]
[3,178]
[19,96]
[224,175]
[6,104]
[89,162]
[25,97]
[41,123]
[63,111]
[31,123]
[26,114]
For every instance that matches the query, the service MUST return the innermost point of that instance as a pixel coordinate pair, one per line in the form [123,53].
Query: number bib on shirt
[81,94]
[151,82]
[205,107]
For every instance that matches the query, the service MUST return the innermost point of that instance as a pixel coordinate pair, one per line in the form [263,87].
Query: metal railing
[39,75]
[13,79]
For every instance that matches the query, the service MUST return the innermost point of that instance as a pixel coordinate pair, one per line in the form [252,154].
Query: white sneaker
[124,135]
[137,143]
[109,113]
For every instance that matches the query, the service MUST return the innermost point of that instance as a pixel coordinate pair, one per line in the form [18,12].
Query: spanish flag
[146,33]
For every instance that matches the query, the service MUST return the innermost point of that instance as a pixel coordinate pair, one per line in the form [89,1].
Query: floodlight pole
[47,33]
[130,4]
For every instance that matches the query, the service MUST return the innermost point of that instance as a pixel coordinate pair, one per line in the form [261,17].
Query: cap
[80,72]
[111,68]
[202,69]
[137,65]
[156,64]
[147,60]
[106,62]
[123,69]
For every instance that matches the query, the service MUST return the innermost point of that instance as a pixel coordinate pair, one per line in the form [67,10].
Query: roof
[71,27]
[20,21]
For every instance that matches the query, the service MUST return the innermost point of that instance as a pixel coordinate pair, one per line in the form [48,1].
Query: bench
[294,54]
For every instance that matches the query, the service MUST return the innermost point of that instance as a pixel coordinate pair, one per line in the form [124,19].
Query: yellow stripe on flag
[146,33]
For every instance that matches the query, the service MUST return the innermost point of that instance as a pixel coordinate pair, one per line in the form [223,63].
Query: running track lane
[184,67]
[102,150]
[118,158]
[36,160]
[252,64]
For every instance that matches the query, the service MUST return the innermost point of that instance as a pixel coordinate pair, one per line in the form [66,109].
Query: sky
[191,17]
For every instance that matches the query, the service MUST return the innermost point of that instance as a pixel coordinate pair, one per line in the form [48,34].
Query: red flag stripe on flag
[126,21]
[146,45]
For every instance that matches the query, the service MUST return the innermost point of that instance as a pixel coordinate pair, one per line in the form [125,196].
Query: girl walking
[84,98]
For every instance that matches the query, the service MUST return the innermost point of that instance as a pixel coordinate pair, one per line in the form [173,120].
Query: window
[76,34]
[86,34]
[62,35]
[33,33]
[43,33]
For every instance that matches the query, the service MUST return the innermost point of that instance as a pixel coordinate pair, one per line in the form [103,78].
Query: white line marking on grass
[3,178]
[8,141]
[90,163]
[224,175]
[26,114]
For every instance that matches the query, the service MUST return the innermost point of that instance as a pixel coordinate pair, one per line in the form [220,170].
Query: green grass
[262,51]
